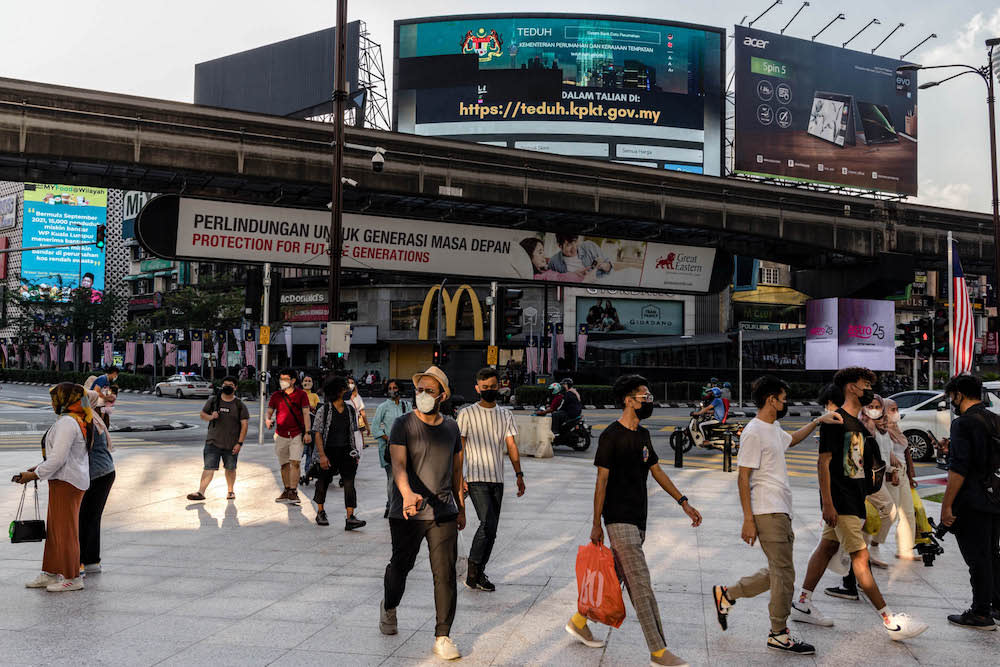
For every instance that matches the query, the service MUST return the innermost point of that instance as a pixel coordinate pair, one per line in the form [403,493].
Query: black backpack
[991,481]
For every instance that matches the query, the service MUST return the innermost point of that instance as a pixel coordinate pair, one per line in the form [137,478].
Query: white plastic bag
[462,563]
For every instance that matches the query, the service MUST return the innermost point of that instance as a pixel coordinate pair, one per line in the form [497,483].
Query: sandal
[230,496]
[196,496]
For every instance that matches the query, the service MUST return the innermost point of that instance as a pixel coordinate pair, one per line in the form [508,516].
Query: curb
[138,428]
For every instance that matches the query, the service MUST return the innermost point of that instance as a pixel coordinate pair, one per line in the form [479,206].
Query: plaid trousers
[630,564]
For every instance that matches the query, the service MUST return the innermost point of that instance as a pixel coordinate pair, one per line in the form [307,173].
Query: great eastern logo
[486,46]
[667,262]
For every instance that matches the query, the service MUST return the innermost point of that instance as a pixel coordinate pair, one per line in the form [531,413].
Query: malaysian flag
[963,332]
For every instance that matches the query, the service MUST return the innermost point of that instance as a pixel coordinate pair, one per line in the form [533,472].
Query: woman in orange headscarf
[66,466]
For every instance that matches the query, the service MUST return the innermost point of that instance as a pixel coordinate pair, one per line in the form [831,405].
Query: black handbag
[32,530]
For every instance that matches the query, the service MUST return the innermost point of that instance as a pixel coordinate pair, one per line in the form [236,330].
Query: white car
[184,385]
[925,413]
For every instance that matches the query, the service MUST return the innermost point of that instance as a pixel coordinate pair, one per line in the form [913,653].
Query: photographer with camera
[971,504]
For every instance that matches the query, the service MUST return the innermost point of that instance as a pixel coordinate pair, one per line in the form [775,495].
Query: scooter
[686,438]
[573,433]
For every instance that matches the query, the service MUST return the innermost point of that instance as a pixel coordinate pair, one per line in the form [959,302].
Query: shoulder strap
[295,415]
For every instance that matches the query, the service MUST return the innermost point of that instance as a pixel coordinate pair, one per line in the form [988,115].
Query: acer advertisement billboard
[631,90]
[850,332]
[813,112]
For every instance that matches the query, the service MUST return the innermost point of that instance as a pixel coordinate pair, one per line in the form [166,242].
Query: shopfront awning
[168,272]
[771,294]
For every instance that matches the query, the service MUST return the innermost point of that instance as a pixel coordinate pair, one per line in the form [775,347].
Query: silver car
[184,385]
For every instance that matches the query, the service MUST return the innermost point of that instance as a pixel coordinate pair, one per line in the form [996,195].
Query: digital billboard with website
[57,214]
[850,332]
[819,113]
[630,90]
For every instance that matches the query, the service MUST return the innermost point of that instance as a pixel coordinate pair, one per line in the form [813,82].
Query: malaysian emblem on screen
[486,46]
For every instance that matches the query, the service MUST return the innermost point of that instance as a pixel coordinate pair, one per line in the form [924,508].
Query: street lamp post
[337,203]
[986,73]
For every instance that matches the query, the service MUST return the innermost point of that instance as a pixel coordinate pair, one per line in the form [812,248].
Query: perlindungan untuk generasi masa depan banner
[53,215]
[234,231]
[632,90]
[850,332]
[813,112]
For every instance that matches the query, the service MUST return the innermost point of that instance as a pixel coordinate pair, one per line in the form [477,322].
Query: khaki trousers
[774,532]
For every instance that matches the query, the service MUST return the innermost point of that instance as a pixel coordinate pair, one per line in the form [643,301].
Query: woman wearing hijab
[102,478]
[900,467]
[66,467]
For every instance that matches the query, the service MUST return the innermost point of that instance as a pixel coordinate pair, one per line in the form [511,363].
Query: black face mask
[489,395]
[780,414]
[228,391]
[867,396]
[644,410]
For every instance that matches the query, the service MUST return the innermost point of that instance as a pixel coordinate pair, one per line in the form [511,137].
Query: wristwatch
[519,474]
[682,500]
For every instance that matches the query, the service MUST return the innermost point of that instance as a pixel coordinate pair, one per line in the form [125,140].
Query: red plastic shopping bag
[599,594]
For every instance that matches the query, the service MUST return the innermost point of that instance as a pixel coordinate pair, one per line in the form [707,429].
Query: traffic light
[941,332]
[925,332]
[99,237]
[254,295]
[509,315]
[274,298]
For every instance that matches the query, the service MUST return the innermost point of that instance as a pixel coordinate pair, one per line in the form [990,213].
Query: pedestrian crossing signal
[99,238]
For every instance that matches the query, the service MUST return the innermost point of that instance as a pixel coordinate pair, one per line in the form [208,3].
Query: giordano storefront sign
[451,311]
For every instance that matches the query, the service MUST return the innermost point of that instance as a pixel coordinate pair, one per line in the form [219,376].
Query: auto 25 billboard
[612,88]
[850,332]
[814,112]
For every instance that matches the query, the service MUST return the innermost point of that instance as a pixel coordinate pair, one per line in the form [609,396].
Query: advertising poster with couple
[298,237]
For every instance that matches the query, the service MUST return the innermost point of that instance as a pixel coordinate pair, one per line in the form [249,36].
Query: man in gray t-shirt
[426,452]
[228,419]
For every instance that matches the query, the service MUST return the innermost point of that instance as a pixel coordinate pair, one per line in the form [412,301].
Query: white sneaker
[43,580]
[903,626]
[806,612]
[445,649]
[66,585]
[93,568]
[875,558]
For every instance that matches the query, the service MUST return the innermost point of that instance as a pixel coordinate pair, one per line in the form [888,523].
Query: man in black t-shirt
[624,460]
[842,471]
[228,419]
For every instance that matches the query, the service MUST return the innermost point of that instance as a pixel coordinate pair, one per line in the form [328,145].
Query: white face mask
[873,413]
[285,384]
[425,403]
[350,386]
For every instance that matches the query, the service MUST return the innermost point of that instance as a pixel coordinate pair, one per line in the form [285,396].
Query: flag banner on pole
[251,353]
[963,334]
[130,352]
[148,354]
[322,342]
[560,341]
[109,352]
[69,351]
[288,342]
[581,342]
[532,358]
[196,347]
[171,358]
[53,351]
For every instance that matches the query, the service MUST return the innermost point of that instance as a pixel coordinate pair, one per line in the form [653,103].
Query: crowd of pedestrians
[433,463]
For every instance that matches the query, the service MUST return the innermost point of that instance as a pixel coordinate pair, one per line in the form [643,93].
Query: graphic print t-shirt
[847,443]
[628,455]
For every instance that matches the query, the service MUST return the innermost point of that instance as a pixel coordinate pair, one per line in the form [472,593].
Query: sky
[150,48]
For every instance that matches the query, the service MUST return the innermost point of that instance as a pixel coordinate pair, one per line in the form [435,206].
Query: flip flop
[230,496]
[195,496]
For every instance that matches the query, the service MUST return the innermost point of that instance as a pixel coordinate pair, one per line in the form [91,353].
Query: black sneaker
[842,593]
[293,497]
[321,518]
[783,641]
[722,604]
[354,522]
[970,619]
[484,584]
[385,515]
[996,614]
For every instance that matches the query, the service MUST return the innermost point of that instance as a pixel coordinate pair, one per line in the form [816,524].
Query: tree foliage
[208,306]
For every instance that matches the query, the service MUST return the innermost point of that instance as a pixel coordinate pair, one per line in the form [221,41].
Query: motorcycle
[686,438]
[573,433]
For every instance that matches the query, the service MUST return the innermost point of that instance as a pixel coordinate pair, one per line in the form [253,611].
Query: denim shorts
[213,455]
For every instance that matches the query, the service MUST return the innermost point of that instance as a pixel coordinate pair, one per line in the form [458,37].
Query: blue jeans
[487,498]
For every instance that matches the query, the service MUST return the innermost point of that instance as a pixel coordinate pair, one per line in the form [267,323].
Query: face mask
[644,410]
[489,395]
[228,391]
[893,416]
[393,393]
[874,414]
[867,396]
[780,414]
[285,384]
[351,386]
[426,403]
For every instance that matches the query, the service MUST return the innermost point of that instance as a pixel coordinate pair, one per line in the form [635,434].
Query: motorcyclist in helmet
[565,405]
[713,411]
[567,383]
[727,391]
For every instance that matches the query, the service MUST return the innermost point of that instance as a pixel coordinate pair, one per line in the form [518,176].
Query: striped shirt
[485,431]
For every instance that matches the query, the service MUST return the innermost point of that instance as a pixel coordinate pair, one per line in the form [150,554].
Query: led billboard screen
[612,88]
[850,332]
[819,113]
[57,214]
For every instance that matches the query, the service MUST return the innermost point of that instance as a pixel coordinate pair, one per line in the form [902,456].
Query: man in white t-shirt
[766,498]
[488,435]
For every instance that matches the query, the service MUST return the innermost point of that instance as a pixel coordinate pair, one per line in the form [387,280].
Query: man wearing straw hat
[426,452]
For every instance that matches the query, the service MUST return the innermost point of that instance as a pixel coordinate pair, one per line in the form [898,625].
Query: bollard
[727,452]
[678,453]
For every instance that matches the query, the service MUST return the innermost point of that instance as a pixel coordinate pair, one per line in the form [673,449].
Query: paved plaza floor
[252,582]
